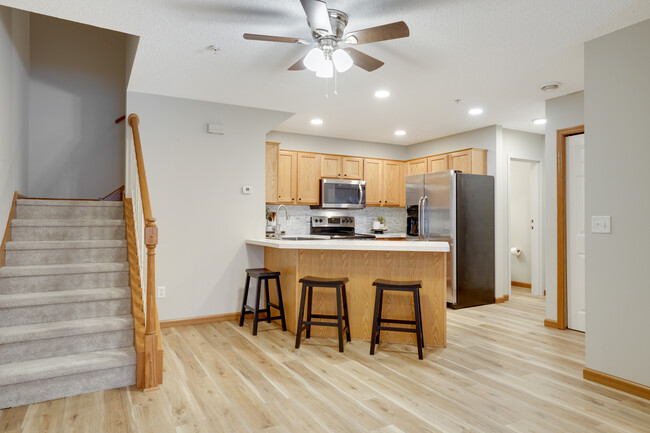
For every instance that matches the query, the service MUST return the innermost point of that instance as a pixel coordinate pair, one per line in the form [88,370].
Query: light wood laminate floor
[502,371]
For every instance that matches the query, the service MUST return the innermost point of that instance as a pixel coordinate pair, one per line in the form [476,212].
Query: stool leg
[380,293]
[374,336]
[310,294]
[301,311]
[418,322]
[345,314]
[243,302]
[339,317]
[256,316]
[421,326]
[280,303]
[266,296]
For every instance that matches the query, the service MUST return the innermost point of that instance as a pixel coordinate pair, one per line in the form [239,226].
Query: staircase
[65,304]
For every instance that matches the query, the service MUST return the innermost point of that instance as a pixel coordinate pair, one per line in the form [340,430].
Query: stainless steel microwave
[342,194]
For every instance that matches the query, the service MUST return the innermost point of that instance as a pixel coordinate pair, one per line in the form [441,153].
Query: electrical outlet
[601,224]
[161,291]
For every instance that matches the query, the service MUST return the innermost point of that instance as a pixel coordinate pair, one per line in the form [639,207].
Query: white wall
[563,112]
[195,182]
[14,81]
[77,90]
[337,146]
[520,187]
[617,151]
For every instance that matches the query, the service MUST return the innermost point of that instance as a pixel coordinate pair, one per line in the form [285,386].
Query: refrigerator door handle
[420,219]
[425,206]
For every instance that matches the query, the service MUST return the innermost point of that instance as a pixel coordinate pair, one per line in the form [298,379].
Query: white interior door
[535,271]
[575,185]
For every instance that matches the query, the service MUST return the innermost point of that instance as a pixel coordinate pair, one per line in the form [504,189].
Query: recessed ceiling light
[550,86]
[541,121]
[475,111]
[400,132]
[382,94]
[316,121]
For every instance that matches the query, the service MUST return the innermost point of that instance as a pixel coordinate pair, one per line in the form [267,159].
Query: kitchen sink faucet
[277,220]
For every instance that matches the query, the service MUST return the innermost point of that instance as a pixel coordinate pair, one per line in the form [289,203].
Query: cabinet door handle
[299,198]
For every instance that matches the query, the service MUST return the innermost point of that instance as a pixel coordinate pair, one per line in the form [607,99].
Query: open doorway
[523,226]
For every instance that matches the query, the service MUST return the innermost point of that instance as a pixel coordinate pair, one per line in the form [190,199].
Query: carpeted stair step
[65,252]
[46,340]
[39,307]
[48,378]
[67,230]
[47,278]
[68,209]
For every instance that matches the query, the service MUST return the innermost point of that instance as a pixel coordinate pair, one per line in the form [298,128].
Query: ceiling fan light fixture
[326,70]
[342,60]
[351,39]
[314,60]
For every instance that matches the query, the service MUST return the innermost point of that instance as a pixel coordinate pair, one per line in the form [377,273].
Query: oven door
[343,194]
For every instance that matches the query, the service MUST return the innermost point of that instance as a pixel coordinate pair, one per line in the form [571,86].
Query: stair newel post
[151,333]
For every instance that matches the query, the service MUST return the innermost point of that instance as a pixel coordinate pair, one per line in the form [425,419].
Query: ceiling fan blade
[299,65]
[364,61]
[317,16]
[268,38]
[386,32]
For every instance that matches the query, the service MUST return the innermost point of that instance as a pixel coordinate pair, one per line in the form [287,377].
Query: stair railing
[146,235]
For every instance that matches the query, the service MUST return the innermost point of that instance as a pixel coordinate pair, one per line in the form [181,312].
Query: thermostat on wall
[247,189]
[213,128]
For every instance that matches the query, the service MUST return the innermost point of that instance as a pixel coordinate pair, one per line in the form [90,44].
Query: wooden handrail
[152,374]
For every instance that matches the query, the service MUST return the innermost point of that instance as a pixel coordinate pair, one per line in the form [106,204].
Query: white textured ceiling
[488,53]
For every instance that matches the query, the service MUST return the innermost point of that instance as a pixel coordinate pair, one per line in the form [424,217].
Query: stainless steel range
[337,227]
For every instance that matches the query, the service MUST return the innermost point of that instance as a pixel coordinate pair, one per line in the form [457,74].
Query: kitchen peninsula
[363,261]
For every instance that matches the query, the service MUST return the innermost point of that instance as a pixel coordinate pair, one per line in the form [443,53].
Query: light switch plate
[247,189]
[601,224]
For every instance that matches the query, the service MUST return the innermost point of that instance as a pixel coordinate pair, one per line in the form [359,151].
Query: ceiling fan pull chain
[336,93]
[327,88]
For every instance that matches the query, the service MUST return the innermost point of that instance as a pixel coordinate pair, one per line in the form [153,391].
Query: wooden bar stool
[308,284]
[399,286]
[262,274]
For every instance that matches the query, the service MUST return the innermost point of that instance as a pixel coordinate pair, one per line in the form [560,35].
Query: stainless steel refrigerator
[458,208]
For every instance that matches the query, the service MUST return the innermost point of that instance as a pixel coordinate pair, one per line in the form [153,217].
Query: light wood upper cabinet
[271,193]
[308,187]
[438,163]
[341,167]
[416,166]
[391,183]
[384,182]
[469,161]
[287,173]
[352,168]
[330,166]
[372,176]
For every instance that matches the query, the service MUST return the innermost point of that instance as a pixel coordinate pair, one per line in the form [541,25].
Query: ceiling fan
[328,32]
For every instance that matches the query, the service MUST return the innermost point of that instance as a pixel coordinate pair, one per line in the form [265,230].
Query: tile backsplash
[300,218]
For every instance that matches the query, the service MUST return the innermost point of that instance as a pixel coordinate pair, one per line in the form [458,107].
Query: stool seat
[262,272]
[390,284]
[323,282]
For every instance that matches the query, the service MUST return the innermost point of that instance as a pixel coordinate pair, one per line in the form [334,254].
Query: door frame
[538,257]
[562,135]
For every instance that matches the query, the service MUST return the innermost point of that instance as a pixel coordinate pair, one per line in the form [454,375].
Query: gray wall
[77,90]
[617,151]
[195,182]
[563,112]
[14,81]
[337,146]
